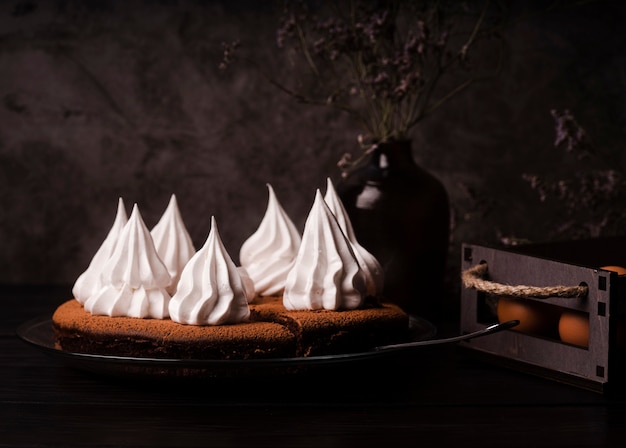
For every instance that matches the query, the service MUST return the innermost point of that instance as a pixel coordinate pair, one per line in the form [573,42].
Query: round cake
[151,294]
[272,332]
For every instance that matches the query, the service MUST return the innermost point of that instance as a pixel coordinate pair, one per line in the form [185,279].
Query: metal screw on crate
[474,278]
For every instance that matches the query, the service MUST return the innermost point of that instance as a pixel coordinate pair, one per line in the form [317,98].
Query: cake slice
[326,332]
[81,332]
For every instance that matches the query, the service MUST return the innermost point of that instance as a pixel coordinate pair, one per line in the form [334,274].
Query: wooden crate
[598,366]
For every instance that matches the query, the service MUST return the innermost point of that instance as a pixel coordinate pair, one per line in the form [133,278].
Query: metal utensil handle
[464,337]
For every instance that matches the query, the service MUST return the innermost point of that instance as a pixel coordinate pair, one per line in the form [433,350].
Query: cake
[323,298]
[271,332]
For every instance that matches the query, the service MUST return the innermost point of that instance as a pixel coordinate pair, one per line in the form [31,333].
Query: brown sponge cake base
[322,332]
[79,331]
[273,332]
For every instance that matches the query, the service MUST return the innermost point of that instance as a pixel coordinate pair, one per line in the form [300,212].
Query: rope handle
[474,278]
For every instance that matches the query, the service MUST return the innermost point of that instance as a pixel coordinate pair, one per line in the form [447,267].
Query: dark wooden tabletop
[439,396]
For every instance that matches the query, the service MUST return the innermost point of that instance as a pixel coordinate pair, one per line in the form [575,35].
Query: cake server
[495,328]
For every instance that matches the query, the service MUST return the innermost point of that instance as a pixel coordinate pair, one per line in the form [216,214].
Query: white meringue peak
[269,253]
[172,242]
[211,290]
[89,281]
[326,274]
[134,279]
[248,284]
[374,274]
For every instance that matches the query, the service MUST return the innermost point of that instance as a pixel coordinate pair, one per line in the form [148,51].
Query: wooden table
[445,397]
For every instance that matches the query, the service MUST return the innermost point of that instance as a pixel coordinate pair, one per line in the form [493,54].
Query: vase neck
[394,155]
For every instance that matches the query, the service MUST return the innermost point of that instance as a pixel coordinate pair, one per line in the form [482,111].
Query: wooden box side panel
[509,268]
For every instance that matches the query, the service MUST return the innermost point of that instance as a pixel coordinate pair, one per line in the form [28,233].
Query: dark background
[104,99]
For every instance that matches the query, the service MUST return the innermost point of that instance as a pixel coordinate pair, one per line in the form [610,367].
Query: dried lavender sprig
[591,199]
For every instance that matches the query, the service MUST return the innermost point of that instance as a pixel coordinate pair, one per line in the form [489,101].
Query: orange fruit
[619,269]
[535,317]
[574,328]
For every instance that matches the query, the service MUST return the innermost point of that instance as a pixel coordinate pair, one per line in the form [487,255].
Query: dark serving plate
[39,333]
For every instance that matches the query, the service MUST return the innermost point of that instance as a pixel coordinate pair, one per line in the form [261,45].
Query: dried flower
[228,57]
[570,134]
[379,61]
[592,197]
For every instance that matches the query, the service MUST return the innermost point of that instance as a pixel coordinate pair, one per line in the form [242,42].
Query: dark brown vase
[400,213]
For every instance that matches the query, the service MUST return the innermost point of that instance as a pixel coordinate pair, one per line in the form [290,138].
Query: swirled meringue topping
[172,242]
[134,279]
[269,253]
[326,274]
[211,290]
[374,275]
[89,281]
[248,284]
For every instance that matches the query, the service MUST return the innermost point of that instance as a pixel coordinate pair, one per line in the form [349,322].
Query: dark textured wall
[106,99]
